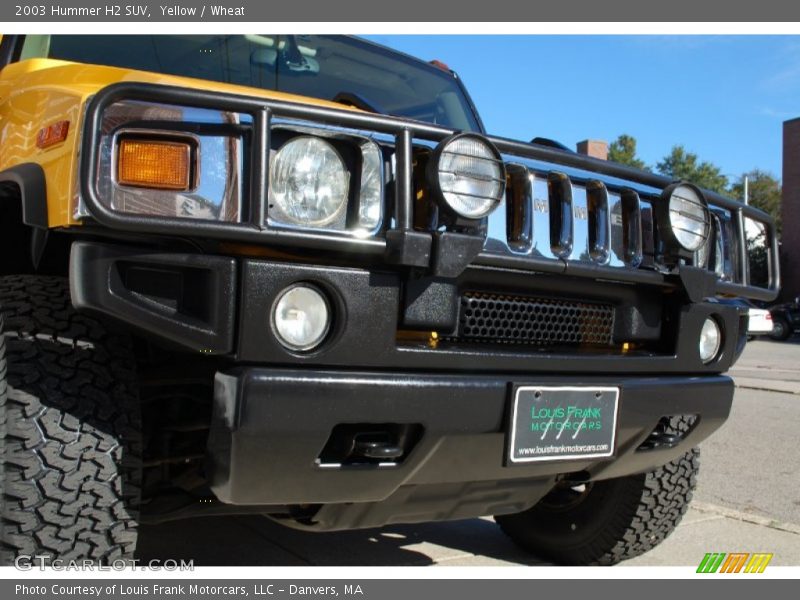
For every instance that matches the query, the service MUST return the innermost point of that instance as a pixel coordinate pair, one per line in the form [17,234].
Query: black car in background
[785,319]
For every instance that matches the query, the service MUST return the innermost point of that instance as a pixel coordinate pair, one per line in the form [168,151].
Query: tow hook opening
[670,431]
[376,444]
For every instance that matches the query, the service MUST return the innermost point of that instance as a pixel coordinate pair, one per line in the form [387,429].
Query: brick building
[790,210]
[593,148]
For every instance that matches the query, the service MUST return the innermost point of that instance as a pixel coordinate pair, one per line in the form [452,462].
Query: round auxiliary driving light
[467,175]
[301,317]
[688,221]
[710,340]
[308,183]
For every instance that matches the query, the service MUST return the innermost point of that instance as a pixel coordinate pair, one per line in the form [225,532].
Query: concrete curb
[731,513]
[767,385]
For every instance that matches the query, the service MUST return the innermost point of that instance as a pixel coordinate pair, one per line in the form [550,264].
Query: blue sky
[722,97]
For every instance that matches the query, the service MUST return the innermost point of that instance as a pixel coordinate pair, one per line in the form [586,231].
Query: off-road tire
[781,330]
[70,430]
[615,520]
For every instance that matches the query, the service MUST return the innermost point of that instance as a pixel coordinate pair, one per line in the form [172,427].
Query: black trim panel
[188,300]
[30,179]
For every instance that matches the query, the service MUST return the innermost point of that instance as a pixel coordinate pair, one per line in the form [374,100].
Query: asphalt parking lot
[747,500]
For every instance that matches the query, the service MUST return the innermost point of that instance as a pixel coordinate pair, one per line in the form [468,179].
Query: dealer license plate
[562,423]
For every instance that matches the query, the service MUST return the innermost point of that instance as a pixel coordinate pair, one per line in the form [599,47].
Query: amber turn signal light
[157,164]
[52,134]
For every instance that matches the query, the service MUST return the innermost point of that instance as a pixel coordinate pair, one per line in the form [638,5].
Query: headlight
[710,340]
[301,317]
[370,201]
[688,216]
[308,183]
[468,174]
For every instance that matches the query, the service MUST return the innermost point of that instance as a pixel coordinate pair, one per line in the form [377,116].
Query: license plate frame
[535,415]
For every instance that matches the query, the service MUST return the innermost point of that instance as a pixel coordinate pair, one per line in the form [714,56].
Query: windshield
[339,68]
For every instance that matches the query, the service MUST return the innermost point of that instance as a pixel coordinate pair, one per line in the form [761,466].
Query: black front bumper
[270,427]
[276,412]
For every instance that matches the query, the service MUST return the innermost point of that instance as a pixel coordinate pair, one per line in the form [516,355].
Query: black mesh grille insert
[539,321]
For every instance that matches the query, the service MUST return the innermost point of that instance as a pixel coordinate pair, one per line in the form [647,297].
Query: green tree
[680,164]
[623,151]
[763,191]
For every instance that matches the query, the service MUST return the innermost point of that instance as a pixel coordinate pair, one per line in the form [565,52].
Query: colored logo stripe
[734,562]
[711,562]
[758,562]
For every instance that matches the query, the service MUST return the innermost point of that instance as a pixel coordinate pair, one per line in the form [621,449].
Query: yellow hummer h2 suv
[293,276]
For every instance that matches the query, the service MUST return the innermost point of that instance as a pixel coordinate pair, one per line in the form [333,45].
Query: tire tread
[647,509]
[69,428]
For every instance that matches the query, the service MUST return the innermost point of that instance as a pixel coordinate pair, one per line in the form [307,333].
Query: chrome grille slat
[605,223]
[632,243]
[560,201]
[580,225]
[599,217]
[549,216]
[541,219]
[519,209]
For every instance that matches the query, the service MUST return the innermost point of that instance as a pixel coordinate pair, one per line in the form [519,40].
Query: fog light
[466,171]
[688,217]
[684,221]
[301,317]
[710,340]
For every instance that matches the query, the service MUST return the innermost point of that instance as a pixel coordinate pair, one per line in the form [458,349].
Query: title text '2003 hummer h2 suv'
[292,276]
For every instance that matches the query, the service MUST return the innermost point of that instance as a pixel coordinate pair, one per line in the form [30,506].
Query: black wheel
[781,330]
[70,446]
[604,522]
